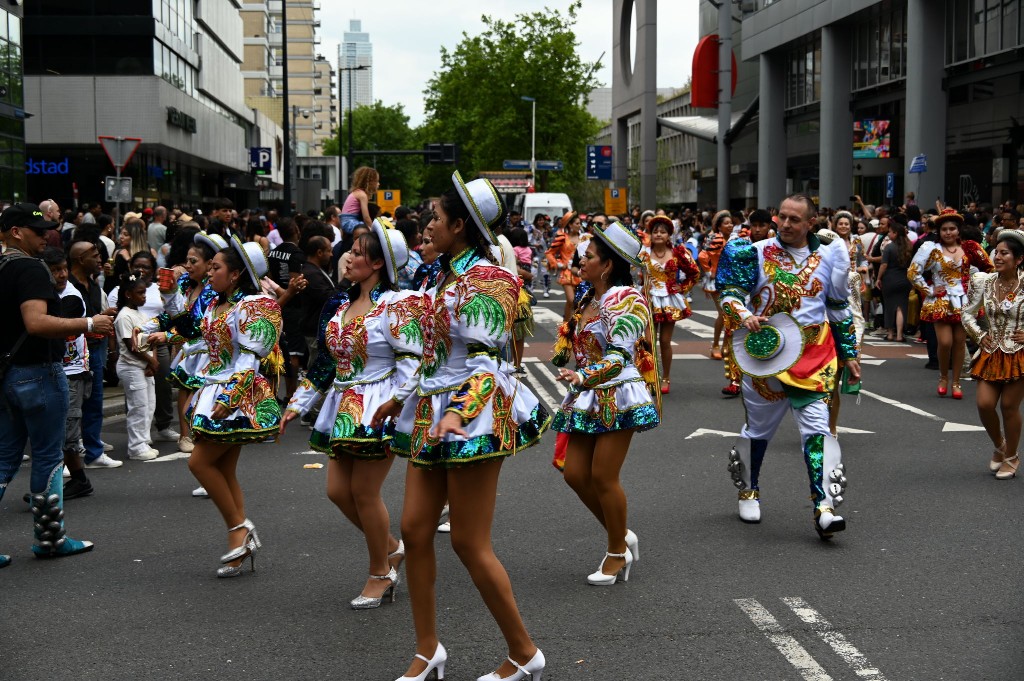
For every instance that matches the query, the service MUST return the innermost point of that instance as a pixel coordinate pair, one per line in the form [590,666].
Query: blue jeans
[92,408]
[33,408]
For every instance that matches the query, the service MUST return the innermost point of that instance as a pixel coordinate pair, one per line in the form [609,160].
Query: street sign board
[615,202]
[919,164]
[550,165]
[119,149]
[515,165]
[599,162]
[890,185]
[259,160]
[118,189]
[389,200]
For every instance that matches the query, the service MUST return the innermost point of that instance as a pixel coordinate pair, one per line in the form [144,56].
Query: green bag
[846,385]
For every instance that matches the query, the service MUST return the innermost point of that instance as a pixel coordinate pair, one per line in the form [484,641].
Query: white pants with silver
[820,449]
[140,398]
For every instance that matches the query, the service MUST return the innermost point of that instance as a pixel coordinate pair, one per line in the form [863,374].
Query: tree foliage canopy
[382,127]
[475,98]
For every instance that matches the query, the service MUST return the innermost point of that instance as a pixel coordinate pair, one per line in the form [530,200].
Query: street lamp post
[533,140]
[293,174]
[350,69]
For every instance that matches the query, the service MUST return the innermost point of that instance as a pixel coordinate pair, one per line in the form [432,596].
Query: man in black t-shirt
[286,261]
[34,391]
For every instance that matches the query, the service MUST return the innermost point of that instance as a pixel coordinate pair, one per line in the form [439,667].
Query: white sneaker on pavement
[167,435]
[185,444]
[148,455]
[200,492]
[107,447]
[66,473]
[445,527]
[104,461]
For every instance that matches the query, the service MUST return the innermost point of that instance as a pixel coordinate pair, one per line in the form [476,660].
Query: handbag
[5,359]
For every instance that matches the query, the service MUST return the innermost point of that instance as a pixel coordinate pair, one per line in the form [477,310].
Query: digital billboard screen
[871,139]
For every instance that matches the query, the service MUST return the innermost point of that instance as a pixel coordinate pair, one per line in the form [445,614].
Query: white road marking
[538,387]
[790,648]
[918,356]
[900,405]
[708,431]
[873,362]
[836,640]
[543,315]
[308,452]
[696,328]
[690,356]
[950,427]
[854,431]
[170,457]
[710,314]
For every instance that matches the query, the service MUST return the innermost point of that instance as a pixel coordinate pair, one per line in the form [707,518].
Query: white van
[530,205]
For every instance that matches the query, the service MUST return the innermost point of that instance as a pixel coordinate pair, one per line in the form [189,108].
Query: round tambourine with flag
[770,351]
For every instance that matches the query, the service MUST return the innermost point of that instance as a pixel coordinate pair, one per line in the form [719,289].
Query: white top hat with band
[392,242]
[621,240]
[770,351]
[214,241]
[253,257]
[483,202]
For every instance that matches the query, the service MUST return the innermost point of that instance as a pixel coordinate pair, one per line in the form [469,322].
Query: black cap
[24,215]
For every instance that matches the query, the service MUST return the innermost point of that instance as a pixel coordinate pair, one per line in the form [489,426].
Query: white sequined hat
[396,250]
[483,202]
[770,351]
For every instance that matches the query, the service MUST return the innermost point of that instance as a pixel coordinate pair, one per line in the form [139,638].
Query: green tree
[387,128]
[475,99]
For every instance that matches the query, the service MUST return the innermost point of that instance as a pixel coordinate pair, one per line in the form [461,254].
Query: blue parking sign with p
[615,193]
[389,195]
[259,160]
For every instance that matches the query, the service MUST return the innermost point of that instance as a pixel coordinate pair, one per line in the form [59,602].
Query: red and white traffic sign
[119,149]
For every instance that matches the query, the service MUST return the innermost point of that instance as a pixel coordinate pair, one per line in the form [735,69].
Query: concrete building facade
[849,93]
[175,82]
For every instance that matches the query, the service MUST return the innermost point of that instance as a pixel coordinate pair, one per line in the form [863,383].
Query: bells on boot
[48,515]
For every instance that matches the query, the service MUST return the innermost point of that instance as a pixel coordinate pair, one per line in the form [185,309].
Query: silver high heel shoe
[531,670]
[361,602]
[601,579]
[633,544]
[434,664]
[236,571]
[397,557]
[249,544]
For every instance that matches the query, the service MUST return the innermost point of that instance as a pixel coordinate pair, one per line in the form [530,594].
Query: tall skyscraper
[355,50]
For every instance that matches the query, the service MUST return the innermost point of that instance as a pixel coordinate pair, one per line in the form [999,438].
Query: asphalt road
[924,584]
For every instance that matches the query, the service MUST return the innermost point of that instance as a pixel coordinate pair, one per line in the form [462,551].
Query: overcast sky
[407,36]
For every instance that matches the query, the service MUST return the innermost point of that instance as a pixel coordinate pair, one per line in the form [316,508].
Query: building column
[836,159]
[926,100]
[771,131]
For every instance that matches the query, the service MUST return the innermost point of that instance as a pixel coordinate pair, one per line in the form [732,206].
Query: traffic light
[441,154]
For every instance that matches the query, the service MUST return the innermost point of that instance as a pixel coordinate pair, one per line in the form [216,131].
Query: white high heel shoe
[531,670]
[633,544]
[436,662]
[601,579]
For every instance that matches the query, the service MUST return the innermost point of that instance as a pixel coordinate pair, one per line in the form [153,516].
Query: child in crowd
[76,369]
[136,367]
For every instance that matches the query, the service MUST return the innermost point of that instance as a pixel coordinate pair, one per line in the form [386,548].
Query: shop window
[803,77]
[880,45]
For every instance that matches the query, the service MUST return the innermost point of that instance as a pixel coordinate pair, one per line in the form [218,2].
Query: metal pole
[724,99]
[350,169]
[292,174]
[284,111]
[533,146]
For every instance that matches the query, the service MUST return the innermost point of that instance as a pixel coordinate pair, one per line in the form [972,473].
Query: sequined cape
[945,272]
[359,365]
[236,340]
[763,278]
[465,324]
[182,326]
[612,394]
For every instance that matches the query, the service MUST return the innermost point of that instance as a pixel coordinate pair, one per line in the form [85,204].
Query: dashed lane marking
[899,405]
[834,639]
[169,457]
[533,370]
[790,648]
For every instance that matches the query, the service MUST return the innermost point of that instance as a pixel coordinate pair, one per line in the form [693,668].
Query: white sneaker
[148,455]
[200,492]
[107,447]
[547,295]
[104,461]
[66,473]
[445,527]
[25,457]
[167,435]
[185,444]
